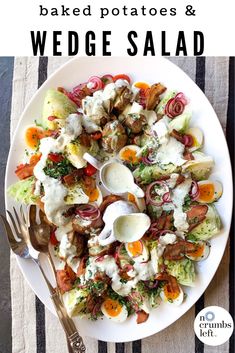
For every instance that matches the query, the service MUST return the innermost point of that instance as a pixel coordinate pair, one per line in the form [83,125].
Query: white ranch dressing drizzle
[141,271]
[54,191]
[178,196]
[95,105]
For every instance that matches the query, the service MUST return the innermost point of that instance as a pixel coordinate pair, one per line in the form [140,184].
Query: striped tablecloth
[34,329]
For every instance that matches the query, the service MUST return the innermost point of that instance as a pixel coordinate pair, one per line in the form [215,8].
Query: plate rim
[228,219]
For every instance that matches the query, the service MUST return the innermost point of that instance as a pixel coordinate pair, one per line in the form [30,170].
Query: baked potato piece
[135,122]
[114,136]
[153,95]
[123,98]
[82,226]
[79,241]
[97,250]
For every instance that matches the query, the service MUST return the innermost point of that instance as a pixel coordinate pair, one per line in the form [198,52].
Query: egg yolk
[198,252]
[169,293]
[112,307]
[93,195]
[206,192]
[142,85]
[131,198]
[129,156]
[195,142]
[33,136]
[135,248]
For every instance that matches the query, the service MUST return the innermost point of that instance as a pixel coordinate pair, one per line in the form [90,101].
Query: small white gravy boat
[123,223]
[115,177]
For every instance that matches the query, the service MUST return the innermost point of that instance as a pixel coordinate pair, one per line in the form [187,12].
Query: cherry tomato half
[55,157]
[53,238]
[96,135]
[121,77]
[89,170]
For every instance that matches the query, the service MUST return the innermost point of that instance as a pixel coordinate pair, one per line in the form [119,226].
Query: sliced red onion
[175,106]
[71,95]
[88,212]
[166,197]
[97,83]
[146,160]
[182,97]
[148,193]
[119,255]
[194,192]
[187,140]
[77,89]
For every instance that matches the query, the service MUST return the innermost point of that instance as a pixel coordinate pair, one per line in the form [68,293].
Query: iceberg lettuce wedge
[22,191]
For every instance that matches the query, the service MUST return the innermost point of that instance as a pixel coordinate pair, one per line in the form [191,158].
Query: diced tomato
[96,135]
[53,238]
[89,170]
[121,77]
[55,157]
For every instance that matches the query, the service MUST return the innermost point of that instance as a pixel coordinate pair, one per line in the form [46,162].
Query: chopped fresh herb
[58,170]
[122,280]
[187,203]
[141,166]
[37,123]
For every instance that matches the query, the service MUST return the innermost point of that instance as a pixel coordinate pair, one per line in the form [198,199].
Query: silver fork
[21,249]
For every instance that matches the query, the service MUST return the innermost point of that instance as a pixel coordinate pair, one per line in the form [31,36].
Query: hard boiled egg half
[201,252]
[197,136]
[170,297]
[95,196]
[137,201]
[129,154]
[137,250]
[113,310]
[209,191]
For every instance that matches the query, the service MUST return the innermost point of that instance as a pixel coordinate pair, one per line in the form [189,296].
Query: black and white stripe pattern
[34,330]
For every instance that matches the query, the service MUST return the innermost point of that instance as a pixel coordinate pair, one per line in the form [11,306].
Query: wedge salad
[145,127]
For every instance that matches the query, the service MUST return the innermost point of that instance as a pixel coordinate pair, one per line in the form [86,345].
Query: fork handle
[75,340]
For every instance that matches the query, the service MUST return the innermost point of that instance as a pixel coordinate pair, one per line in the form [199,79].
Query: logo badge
[213,325]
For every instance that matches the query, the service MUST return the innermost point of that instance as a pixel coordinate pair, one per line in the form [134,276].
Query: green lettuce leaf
[181,122]
[182,270]
[146,174]
[209,227]
[161,106]
[22,191]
